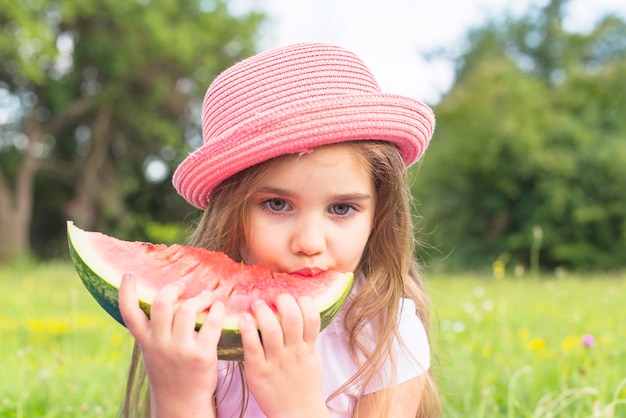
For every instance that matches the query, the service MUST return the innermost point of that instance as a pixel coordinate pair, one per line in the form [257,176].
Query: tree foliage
[98,103]
[530,147]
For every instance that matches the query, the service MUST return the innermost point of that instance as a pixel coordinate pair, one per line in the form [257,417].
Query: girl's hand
[284,373]
[181,363]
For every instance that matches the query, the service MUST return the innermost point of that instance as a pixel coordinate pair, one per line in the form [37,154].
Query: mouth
[307,272]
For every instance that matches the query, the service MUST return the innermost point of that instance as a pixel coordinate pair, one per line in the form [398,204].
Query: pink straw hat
[291,100]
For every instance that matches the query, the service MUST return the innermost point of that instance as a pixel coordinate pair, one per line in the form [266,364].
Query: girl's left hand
[181,363]
[284,373]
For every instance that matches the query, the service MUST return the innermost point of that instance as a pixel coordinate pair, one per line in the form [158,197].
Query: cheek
[248,251]
[354,244]
[259,245]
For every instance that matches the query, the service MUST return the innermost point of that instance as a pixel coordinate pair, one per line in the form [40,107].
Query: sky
[390,35]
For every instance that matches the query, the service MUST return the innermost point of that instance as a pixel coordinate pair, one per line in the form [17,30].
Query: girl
[303,169]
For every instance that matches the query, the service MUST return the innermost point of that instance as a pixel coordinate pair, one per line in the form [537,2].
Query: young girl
[303,169]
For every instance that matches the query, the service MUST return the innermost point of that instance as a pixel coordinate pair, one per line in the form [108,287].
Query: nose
[308,237]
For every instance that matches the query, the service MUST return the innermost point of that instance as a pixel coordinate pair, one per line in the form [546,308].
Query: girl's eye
[341,209]
[276,205]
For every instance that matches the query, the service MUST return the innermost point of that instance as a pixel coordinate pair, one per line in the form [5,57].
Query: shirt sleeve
[411,351]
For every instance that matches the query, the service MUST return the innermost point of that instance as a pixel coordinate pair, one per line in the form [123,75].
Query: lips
[308,272]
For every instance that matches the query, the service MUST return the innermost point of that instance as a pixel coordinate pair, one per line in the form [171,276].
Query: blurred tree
[532,134]
[98,102]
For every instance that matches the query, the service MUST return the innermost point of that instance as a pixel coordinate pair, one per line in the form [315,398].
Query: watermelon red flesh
[101,261]
[235,284]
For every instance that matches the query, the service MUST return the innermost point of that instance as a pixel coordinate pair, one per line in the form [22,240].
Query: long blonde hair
[388,262]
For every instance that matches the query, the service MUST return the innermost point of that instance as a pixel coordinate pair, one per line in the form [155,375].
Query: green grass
[62,355]
[514,347]
[503,348]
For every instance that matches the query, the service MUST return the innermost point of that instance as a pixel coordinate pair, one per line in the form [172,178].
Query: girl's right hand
[181,363]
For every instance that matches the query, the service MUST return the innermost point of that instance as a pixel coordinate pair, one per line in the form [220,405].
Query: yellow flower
[47,325]
[535,344]
[570,343]
[487,351]
[523,333]
[498,269]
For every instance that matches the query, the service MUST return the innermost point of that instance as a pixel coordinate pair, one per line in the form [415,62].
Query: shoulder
[413,344]
[410,348]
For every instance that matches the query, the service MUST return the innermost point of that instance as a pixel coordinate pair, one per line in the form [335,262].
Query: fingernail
[258,302]
[245,320]
[206,292]
[126,276]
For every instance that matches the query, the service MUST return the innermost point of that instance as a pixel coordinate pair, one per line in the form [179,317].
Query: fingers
[300,319]
[250,339]
[162,309]
[269,328]
[134,318]
[168,321]
[299,322]
[186,315]
[311,318]
[290,319]
[211,330]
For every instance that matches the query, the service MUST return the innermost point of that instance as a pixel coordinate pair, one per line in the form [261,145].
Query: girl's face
[312,212]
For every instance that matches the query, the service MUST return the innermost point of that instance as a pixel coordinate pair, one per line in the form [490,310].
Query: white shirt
[338,367]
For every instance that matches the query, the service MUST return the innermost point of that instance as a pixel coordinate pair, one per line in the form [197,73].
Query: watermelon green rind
[105,291]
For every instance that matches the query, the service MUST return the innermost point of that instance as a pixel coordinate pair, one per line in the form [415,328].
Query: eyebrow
[288,193]
[353,196]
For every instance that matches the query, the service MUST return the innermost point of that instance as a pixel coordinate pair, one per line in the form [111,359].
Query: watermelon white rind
[100,261]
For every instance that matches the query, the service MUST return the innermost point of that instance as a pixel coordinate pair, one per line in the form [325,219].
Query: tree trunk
[16,206]
[90,192]
[7,226]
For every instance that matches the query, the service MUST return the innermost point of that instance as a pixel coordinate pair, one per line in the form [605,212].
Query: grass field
[504,348]
[530,347]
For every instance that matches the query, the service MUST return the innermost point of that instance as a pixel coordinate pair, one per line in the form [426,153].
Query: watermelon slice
[101,261]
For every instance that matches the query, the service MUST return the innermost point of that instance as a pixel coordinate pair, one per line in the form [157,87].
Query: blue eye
[341,209]
[276,205]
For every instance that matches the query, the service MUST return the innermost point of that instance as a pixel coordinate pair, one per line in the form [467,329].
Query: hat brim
[300,127]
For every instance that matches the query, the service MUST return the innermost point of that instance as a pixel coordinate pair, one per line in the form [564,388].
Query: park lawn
[522,347]
[502,348]
[62,355]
